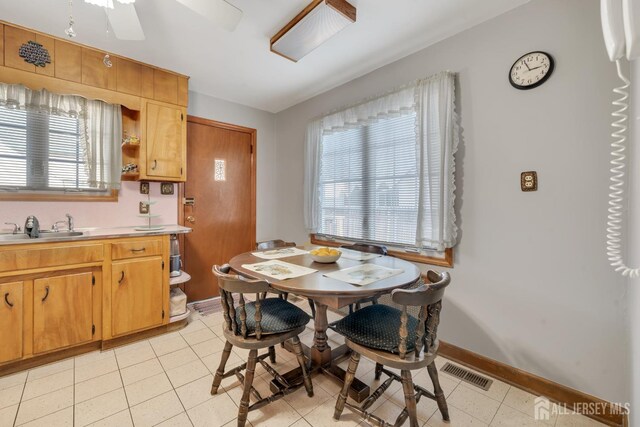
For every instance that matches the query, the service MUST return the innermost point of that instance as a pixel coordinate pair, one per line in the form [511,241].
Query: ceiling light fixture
[316,24]
[108,3]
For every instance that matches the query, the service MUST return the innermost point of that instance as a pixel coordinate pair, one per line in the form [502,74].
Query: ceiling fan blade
[123,18]
[221,13]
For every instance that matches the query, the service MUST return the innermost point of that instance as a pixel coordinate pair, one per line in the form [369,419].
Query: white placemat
[279,270]
[280,253]
[357,255]
[364,274]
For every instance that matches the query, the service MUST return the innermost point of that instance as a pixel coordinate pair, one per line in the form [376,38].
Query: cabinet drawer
[50,256]
[136,248]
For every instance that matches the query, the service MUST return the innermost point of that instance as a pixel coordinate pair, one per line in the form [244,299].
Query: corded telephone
[621,29]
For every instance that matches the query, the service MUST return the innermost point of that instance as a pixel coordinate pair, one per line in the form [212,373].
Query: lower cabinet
[62,311]
[137,297]
[11,312]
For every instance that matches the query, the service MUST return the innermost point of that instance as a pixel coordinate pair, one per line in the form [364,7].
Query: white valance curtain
[437,132]
[100,128]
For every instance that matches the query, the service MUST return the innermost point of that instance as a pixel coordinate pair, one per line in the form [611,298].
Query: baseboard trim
[533,384]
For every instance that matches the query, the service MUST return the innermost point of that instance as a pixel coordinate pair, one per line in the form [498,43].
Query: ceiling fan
[124,21]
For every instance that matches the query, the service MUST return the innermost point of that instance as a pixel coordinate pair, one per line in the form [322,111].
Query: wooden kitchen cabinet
[13,39]
[129,77]
[1,44]
[68,64]
[11,313]
[62,311]
[137,295]
[166,141]
[95,72]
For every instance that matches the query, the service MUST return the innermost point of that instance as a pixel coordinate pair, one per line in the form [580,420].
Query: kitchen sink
[44,235]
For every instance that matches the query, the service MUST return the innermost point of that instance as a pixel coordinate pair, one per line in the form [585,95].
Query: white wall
[224,111]
[531,285]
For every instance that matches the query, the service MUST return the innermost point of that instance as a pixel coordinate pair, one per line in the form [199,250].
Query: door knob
[191,219]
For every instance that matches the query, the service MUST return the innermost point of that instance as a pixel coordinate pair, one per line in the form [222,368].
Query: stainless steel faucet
[32,227]
[69,222]
[16,227]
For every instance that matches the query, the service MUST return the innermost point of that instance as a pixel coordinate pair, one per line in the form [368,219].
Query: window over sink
[54,146]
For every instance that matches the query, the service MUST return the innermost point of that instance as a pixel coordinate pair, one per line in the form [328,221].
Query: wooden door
[166,138]
[136,295]
[11,311]
[223,216]
[62,311]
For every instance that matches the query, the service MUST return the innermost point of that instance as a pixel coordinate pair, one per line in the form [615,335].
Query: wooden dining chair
[371,249]
[278,243]
[255,325]
[391,337]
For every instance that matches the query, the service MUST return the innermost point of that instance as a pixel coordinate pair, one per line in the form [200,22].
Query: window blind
[368,178]
[40,151]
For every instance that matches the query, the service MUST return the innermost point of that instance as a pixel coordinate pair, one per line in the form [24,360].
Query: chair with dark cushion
[370,249]
[391,337]
[255,325]
[275,244]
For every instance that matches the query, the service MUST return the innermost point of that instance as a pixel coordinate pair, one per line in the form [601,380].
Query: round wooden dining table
[327,292]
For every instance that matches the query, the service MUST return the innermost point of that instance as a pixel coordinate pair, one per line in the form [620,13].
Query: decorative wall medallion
[34,53]
[144,188]
[166,188]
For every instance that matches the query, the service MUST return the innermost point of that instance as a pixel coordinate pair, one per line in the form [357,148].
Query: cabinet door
[68,64]
[11,308]
[166,139]
[129,77]
[136,295]
[95,72]
[1,44]
[62,311]
[13,39]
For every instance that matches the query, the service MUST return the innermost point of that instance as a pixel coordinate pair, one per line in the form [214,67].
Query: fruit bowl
[325,255]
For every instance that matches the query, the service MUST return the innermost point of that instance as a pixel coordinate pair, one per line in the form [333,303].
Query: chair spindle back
[429,298]
[230,284]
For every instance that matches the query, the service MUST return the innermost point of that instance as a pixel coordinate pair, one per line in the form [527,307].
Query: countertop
[93,233]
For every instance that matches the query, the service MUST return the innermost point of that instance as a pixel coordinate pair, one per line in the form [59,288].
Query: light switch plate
[529,181]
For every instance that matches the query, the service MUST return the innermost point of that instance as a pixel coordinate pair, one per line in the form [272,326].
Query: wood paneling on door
[136,295]
[49,44]
[224,211]
[165,87]
[165,140]
[13,39]
[183,91]
[95,73]
[129,77]
[1,44]
[68,64]
[11,311]
[62,311]
[147,82]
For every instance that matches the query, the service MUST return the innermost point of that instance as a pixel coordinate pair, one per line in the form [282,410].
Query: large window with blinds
[369,184]
[41,152]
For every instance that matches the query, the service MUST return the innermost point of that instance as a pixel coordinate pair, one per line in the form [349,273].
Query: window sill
[56,197]
[447,261]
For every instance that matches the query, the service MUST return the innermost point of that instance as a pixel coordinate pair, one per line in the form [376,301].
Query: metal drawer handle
[139,250]
[46,295]
[155,165]
[121,277]
[6,299]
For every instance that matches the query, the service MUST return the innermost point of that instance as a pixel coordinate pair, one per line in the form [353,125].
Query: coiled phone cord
[618,165]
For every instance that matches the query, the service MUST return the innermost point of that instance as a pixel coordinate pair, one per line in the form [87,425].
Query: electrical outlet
[144,208]
[529,181]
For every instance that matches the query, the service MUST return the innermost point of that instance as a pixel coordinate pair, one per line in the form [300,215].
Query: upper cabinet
[166,141]
[96,71]
[69,62]
[2,44]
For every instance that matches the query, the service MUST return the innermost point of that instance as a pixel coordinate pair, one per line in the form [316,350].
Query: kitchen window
[56,146]
[382,171]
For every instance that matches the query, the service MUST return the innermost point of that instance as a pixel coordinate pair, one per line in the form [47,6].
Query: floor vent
[467,376]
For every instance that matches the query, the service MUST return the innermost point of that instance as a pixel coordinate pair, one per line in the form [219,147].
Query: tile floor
[165,381]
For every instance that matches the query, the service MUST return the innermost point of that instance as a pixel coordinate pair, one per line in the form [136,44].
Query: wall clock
[531,70]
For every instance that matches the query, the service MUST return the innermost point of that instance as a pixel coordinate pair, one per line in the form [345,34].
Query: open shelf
[178,280]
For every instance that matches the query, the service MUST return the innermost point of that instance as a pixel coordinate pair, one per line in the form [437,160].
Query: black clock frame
[541,81]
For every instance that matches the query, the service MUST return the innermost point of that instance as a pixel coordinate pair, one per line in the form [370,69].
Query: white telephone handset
[621,29]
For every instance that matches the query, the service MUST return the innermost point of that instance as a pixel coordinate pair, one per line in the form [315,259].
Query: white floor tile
[576,420]
[186,373]
[275,414]
[474,403]
[47,384]
[135,356]
[148,388]
[214,412]
[507,417]
[304,404]
[11,396]
[100,407]
[201,335]
[44,405]
[8,415]
[210,346]
[168,345]
[322,416]
[181,420]
[141,371]
[52,368]
[457,417]
[196,392]
[93,357]
[121,419]
[523,402]
[63,418]
[156,410]
[96,368]
[96,386]
[177,358]
[13,380]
